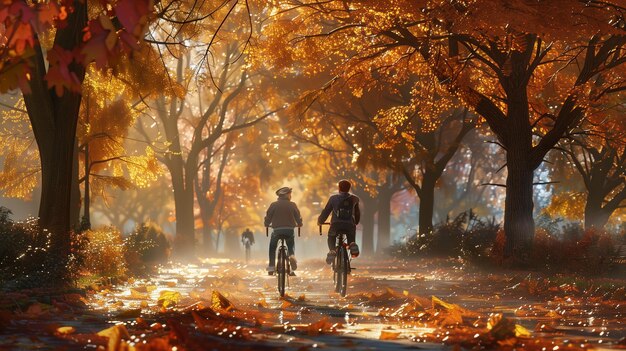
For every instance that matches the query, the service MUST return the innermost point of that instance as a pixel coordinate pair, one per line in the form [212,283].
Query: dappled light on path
[229,305]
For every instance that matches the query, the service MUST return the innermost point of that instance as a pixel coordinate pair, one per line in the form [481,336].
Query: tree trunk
[367,224]
[595,215]
[86,221]
[519,225]
[232,245]
[384,219]
[54,119]
[207,238]
[185,229]
[75,220]
[427,204]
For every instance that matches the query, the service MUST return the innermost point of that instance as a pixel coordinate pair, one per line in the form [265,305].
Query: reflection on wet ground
[390,305]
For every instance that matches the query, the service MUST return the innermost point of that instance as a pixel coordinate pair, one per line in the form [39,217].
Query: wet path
[370,317]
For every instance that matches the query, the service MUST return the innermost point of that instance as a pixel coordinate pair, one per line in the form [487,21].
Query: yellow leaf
[66,330]
[135,294]
[218,301]
[520,331]
[115,334]
[169,298]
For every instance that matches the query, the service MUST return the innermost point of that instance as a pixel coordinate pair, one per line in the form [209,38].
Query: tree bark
[75,208]
[185,228]
[367,224]
[595,216]
[519,224]
[86,221]
[384,219]
[427,204]
[54,119]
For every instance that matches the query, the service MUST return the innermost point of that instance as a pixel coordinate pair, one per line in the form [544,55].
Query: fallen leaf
[115,334]
[134,313]
[388,335]
[169,298]
[218,301]
[65,330]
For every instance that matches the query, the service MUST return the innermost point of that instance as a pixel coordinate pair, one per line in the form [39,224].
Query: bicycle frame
[283,267]
[341,264]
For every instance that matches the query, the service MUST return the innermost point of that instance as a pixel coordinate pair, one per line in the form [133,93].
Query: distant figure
[344,207]
[247,239]
[283,216]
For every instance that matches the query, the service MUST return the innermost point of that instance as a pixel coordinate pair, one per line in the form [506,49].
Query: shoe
[292,274]
[354,250]
[293,263]
[330,257]
[270,270]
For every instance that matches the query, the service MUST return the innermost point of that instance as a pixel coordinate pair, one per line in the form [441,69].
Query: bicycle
[247,244]
[341,264]
[283,267]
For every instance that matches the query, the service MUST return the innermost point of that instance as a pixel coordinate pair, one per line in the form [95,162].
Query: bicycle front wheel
[341,271]
[281,271]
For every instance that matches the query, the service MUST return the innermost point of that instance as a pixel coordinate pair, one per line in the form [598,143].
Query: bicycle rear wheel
[281,271]
[341,271]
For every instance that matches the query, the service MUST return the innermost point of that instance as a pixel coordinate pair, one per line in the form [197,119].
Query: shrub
[465,236]
[145,248]
[104,252]
[29,258]
[568,249]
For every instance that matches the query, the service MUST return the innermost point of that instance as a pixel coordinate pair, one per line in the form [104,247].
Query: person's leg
[332,242]
[351,236]
[332,237]
[288,235]
[272,253]
[291,244]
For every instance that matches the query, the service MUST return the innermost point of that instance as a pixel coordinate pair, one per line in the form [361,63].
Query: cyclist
[283,216]
[247,238]
[344,207]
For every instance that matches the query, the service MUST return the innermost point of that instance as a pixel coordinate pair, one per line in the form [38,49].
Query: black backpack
[346,207]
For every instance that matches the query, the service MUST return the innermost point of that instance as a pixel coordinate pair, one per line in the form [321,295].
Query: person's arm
[269,215]
[325,212]
[357,211]
[251,237]
[297,215]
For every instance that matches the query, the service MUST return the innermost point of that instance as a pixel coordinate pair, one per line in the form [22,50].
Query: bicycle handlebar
[320,225]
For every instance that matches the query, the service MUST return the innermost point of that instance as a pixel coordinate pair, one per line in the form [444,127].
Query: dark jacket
[283,214]
[247,234]
[332,206]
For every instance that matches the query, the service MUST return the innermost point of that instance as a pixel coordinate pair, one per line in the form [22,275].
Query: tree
[531,79]
[51,91]
[225,107]
[600,160]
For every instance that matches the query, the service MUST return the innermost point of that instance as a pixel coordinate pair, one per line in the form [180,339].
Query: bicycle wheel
[341,271]
[281,270]
[247,253]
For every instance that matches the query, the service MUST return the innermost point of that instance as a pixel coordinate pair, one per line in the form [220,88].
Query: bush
[145,248]
[573,250]
[465,236]
[104,252]
[28,257]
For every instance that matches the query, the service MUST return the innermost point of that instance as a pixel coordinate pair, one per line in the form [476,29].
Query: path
[379,313]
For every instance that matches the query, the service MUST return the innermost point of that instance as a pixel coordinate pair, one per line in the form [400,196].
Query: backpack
[346,207]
